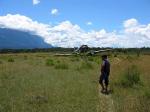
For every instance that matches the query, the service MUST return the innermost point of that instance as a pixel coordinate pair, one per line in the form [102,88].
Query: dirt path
[105,103]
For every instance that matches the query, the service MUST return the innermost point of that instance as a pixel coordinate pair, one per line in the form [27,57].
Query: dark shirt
[105,69]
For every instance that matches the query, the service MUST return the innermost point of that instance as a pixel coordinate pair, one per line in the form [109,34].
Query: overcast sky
[71,23]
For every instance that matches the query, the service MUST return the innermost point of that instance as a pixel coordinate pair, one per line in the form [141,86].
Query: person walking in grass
[104,77]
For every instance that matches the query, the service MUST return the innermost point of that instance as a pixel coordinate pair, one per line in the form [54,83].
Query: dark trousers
[104,77]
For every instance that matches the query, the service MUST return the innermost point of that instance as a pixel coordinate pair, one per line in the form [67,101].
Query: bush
[61,66]
[130,77]
[49,62]
[11,60]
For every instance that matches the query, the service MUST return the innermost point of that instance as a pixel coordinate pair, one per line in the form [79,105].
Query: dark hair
[104,56]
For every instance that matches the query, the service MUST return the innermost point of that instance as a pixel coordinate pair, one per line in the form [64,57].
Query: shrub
[11,60]
[25,57]
[61,66]
[147,93]
[49,62]
[1,62]
[115,55]
[131,77]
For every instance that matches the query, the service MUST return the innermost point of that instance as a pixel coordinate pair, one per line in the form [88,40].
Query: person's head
[104,57]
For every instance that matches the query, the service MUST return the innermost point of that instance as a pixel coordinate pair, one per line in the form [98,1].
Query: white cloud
[54,11]
[89,23]
[23,23]
[130,23]
[66,34]
[35,2]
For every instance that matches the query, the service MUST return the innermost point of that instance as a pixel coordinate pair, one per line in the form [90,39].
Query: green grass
[130,77]
[40,82]
[61,65]
[31,86]
[11,60]
[49,62]
[85,65]
[130,92]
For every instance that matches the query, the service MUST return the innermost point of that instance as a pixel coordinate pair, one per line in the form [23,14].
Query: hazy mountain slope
[15,39]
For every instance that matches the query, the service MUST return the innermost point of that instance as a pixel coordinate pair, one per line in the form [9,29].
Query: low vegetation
[41,82]
[130,77]
[61,65]
[49,62]
[11,60]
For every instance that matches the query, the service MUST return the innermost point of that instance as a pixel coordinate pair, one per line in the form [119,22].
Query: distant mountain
[15,39]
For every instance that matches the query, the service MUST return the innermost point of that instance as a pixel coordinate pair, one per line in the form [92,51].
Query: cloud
[89,23]
[130,23]
[54,11]
[67,34]
[23,23]
[35,2]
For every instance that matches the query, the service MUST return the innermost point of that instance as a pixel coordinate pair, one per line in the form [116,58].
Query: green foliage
[147,93]
[97,60]
[90,58]
[61,65]
[85,65]
[129,58]
[131,77]
[74,59]
[11,60]
[49,62]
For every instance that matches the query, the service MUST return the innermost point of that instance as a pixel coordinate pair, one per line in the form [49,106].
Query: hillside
[15,39]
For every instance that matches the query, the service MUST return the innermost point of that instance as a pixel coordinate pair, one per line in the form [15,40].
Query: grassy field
[41,82]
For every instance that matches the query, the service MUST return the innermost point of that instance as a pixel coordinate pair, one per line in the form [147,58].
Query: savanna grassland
[41,82]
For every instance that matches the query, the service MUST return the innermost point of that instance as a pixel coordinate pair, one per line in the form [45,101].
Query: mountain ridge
[15,39]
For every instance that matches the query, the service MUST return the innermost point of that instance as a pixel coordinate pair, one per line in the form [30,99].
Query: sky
[71,23]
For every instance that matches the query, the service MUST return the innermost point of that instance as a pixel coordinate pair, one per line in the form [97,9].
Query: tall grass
[26,87]
[61,65]
[130,77]
[74,59]
[49,62]
[11,60]
[85,65]
[144,101]
[1,62]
